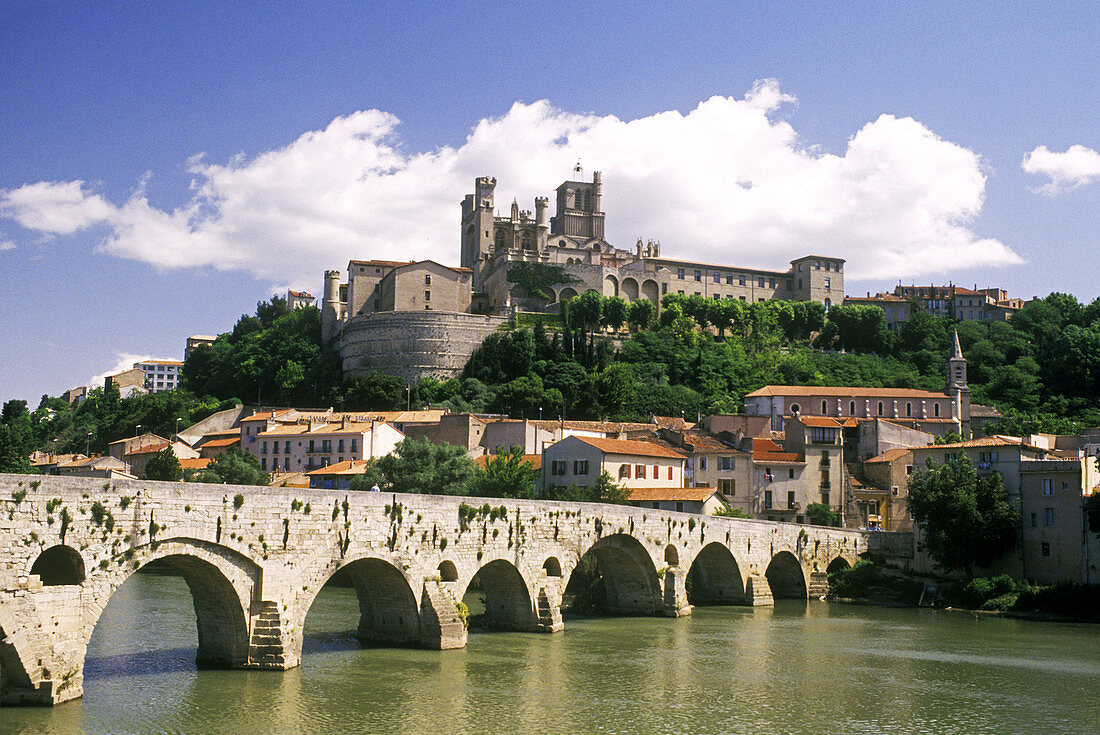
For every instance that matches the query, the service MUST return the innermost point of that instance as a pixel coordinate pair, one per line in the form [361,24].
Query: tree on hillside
[418,466]
[537,278]
[966,520]
[16,437]
[164,465]
[233,467]
[506,475]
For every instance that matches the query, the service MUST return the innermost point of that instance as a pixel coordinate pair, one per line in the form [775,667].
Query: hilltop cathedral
[414,319]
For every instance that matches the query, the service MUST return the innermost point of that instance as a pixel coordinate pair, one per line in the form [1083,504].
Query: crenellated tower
[477,226]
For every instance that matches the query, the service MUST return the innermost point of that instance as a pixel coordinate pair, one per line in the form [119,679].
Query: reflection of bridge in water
[255,559]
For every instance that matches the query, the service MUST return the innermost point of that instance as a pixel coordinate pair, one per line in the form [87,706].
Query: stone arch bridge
[255,559]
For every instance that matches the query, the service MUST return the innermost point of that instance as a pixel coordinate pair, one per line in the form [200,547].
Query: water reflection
[796,668]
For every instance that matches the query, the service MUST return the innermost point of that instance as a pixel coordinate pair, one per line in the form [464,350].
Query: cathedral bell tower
[958,389]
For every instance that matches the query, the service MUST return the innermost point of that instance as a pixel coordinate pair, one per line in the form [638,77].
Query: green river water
[794,668]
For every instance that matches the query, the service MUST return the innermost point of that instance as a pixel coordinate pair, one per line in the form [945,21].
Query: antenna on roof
[578,170]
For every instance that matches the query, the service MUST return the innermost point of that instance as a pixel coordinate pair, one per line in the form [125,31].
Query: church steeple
[958,389]
[956,367]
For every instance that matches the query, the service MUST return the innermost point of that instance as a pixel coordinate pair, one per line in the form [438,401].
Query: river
[794,668]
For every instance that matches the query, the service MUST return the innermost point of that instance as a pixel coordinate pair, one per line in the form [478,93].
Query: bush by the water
[1007,594]
[869,581]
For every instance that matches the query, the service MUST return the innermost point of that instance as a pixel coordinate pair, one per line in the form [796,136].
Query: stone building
[415,319]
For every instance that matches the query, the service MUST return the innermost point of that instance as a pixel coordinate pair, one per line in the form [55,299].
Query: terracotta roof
[535,460]
[704,443]
[820,422]
[148,449]
[227,442]
[760,444]
[139,436]
[197,463]
[630,446]
[284,430]
[387,263]
[614,427]
[777,458]
[301,294]
[347,467]
[291,479]
[693,494]
[841,392]
[888,456]
[996,440]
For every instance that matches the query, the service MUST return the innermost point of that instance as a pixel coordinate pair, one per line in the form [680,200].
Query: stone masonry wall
[256,557]
[413,344]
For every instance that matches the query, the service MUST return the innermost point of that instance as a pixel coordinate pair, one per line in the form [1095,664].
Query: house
[337,476]
[106,467]
[160,375]
[1049,486]
[130,382]
[886,489]
[580,460]
[711,462]
[806,468]
[120,448]
[310,444]
[703,500]
[138,457]
[218,442]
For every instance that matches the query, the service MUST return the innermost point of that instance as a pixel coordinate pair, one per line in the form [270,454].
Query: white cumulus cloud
[727,182]
[125,361]
[1074,167]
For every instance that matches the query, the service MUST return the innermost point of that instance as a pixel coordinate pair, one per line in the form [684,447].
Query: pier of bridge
[254,559]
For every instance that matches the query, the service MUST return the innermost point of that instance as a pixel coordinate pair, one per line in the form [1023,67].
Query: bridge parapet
[255,559]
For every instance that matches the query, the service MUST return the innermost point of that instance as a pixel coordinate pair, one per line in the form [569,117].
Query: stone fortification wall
[413,344]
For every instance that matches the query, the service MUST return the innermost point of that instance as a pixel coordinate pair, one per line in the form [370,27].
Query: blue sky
[163,166]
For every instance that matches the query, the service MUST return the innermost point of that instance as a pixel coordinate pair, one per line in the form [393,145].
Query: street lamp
[178,420]
[137,430]
[88,446]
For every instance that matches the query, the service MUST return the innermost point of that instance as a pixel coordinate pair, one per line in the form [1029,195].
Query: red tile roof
[227,442]
[148,449]
[630,446]
[888,456]
[347,467]
[195,464]
[693,494]
[842,392]
[777,458]
[820,422]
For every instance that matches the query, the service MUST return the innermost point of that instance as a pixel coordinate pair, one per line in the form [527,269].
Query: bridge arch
[59,565]
[507,598]
[222,583]
[715,577]
[13,669]
[388,609]
[626,580]
[837,564]
[786,577]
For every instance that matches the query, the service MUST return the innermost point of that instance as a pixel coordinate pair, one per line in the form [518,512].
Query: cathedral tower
[477,226]
[579,207]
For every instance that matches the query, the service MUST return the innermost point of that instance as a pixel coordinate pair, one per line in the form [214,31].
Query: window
[824,408]
[428,279]
[340,445]
[790,473]
[795,408]
[727,487]
[698,275]
[800,280]
[760,282]
[717,297]
[664,288]
[820,435]
[354,445]
[767,500]
[725,463]
[1046,548]
[717,277]
[729,279]
[639,471]
[263,464]
[824,497]
[670,473]
[740,280]
[1048,516]
[828,287]
[656,472]
[274,447]
[557,467]
[263,448]
[427,295]
[908,409]
[1034,521]
[580,467]
[286,463]
[680,273]
[880,408]
[703,463]
[936,410]
[790,499]
[679,506]
[771,283]
[1065,486]
[624,472]
[789,285]
[326,445]
[1048,486]
[851,408]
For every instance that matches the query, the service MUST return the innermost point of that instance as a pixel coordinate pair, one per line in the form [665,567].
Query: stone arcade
[255,559]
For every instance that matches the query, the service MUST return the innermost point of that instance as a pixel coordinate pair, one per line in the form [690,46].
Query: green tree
[16,437]
[164,465]
[233,467]
[506,475]
[376,392]
[605,490]
[615,311]
[418,466]
[820,514]
[641,314]
[537,278]
[966,520]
